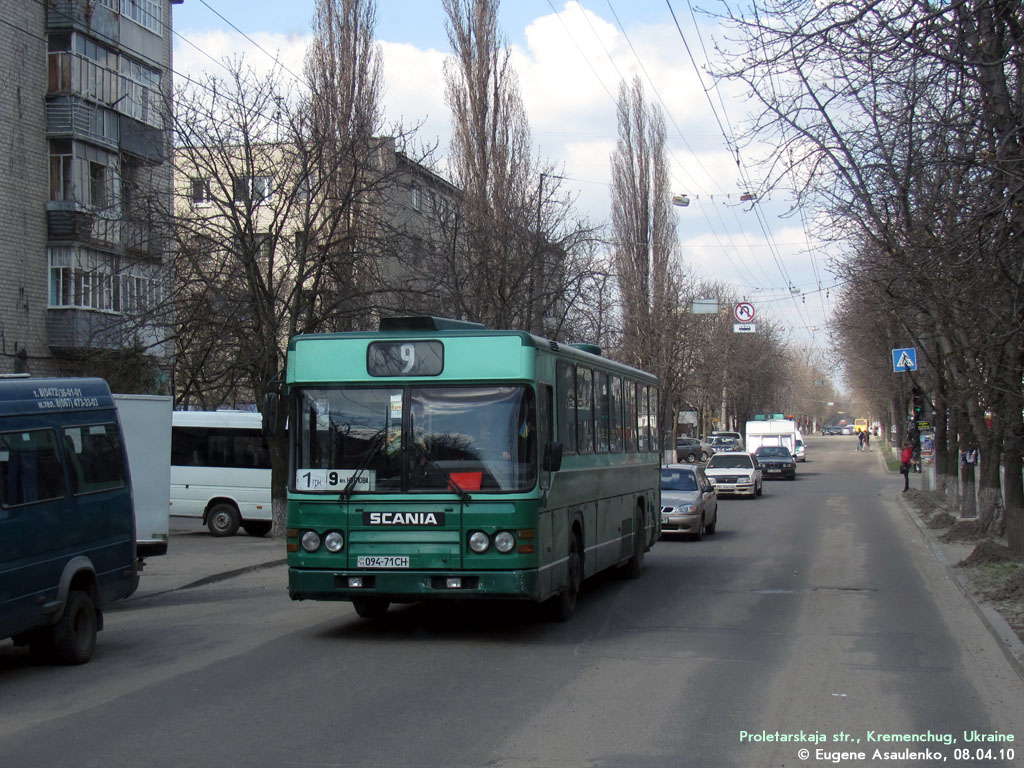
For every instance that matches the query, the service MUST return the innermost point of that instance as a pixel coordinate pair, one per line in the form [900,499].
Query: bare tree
[497,253]
[279,225]
[644,240]
[903,122]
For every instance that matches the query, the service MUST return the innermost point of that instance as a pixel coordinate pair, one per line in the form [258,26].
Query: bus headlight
[334,541]
[504,542]
[479,542]
[310,541]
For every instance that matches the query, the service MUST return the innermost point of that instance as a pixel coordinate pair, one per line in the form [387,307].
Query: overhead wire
[730,141]
[682,136]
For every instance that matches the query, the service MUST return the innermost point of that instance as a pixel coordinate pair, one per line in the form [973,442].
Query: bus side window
[566,383]
[31,467]
[94,458]
[615,402]
[585,409]
[653,420]
[629,401]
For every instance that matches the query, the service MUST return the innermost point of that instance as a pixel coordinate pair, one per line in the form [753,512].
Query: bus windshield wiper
[454,486]
[350,484]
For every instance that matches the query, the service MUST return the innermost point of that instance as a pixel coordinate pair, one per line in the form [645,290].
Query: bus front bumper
[408,585]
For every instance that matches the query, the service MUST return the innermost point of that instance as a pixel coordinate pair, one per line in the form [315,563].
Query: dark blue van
[67,529]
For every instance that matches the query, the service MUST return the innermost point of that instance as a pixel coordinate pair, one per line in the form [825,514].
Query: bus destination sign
[405,358]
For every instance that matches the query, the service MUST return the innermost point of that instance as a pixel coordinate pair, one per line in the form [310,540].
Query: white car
[800,454]
[735,472]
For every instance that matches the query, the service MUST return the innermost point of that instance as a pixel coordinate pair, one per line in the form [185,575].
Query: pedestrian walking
[860,441]
[905,458]
[867,439]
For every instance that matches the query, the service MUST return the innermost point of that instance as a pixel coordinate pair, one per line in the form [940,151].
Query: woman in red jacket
[905,458]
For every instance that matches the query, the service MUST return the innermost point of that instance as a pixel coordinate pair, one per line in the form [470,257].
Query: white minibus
[220,471]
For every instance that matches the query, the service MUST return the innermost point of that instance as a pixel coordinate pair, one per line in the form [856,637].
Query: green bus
[439,459]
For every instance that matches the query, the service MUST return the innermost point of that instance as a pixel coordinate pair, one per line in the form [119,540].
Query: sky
[570,57]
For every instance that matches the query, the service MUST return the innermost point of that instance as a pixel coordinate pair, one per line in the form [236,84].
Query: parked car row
[692,449]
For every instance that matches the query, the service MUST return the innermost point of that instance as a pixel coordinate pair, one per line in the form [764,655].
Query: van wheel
[257,527]
[223,520]
[370,607]
[72,639]
[562,605]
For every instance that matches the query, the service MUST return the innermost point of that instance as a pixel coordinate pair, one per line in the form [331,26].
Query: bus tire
[257,528]
[370,607]
[635,566]
[563,605]
[223,520]
[72,639]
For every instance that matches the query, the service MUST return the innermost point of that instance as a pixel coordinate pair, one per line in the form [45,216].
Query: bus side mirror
[270,402]
[552,457]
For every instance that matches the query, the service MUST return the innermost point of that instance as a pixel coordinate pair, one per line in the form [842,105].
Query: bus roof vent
[591,348]
[427,323]
[553,345]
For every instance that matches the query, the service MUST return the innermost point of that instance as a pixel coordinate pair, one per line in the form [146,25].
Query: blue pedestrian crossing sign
[904,360]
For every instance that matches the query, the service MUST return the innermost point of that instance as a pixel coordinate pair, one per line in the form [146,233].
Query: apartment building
[86,185]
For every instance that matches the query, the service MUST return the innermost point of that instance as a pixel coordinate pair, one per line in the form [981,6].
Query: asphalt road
[815,609]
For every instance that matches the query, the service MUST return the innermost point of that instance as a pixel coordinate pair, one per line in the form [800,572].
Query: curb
[214,578]
[997,626]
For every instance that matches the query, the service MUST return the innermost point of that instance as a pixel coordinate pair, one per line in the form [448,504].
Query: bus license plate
[382,561]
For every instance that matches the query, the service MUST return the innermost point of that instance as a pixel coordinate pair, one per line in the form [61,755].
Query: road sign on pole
[904,360]
[744,312]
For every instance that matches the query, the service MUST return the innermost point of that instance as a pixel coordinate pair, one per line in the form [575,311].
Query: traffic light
[918,402]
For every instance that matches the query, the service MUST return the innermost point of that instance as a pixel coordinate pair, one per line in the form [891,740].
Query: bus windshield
[429,438]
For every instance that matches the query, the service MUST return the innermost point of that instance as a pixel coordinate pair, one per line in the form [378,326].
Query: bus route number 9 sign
[405,358]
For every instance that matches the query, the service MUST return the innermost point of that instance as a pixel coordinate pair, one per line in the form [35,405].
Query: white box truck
[146,425]
[771,432]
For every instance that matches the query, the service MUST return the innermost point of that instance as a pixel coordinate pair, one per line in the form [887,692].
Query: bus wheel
[257,527]
[223,520]
[636,562]
[72,639]
[370,607]
[562,605]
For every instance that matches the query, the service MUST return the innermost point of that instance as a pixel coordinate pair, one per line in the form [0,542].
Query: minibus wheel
[223,520]
[73,638]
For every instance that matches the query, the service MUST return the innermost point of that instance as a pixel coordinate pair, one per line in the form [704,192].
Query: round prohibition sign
[744,312]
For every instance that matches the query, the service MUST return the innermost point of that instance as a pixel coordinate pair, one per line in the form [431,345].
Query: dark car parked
[690,449]
[776,461]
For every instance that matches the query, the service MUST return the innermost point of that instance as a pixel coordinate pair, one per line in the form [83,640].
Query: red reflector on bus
[467,481]
[526,549]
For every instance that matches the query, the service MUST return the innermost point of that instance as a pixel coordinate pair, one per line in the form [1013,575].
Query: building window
[61,171]
[264,246]
[262,188]
[417,198]
[87,279]
[98,196]
[201,194]
[254,189]
[147,13]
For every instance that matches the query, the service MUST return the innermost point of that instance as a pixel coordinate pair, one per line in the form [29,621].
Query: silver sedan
[689,502]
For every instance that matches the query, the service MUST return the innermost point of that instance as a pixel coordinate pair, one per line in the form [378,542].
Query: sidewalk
[949,553]
[194,557]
